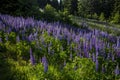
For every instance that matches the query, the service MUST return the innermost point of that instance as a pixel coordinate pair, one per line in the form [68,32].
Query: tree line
[104,10]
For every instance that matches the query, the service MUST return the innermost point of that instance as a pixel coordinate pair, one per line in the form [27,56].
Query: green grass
[113,29]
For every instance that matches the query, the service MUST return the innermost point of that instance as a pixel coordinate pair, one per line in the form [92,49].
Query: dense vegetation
[59,40]
[103,10]
[56,51]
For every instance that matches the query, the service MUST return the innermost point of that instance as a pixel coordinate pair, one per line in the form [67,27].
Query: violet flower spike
[117,72]
[45,64]
[32,59]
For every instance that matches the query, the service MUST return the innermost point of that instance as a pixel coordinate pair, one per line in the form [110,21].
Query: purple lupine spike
[90,45]
[96,47]
[30,38]
[118,53]
[108,56]
[89,55]
[17,39]
[93,57]
[103,69]
[45,64]
[49,50]
[32,59]
[113,58]
[97,64]
[117,72]
[6,38]
[85,49]
[80,55]
[118,42]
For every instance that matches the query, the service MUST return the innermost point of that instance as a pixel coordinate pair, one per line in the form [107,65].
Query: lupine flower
[103,69]
[113,58]
[32,59]
[62,32]
[118,42]
[93,57]
[117,71]
[18,39]
[97,64]
[6,38]
[45,64]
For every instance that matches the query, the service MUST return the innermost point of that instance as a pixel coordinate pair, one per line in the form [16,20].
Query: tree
[116,18]
[8,6]
[42,3]
[84,7]
[95,16]
[106,6]
[67,5]
[55,4]
[74,5]
[60,4]
[102,17]
[116,6]
[50,13]
[19,7]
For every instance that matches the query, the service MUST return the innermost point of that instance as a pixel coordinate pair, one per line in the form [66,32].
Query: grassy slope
[105,26]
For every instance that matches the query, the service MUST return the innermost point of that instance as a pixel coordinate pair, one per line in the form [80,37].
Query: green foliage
[95,16]
[102,17]
[67,5]
[20,8]
[12,37]
[50,13]
[17,51]
[12,48]
[77,69]
[80,68]
[116,18]
[89,16]
[116,6]
[84,7]
[53,74]
[19,67]
[22,70]
[65,16]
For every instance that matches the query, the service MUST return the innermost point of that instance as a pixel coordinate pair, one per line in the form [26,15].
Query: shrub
[80,69]
[102,17]
[50,13]
[23,71]
[65,16]
[116,18]
[95,16]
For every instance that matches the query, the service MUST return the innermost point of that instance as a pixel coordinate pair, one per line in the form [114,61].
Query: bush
[50,13]
[23,71]
[116,18]
[89,16]
[65,16]
[95,16]
[102,17]
[80,69]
